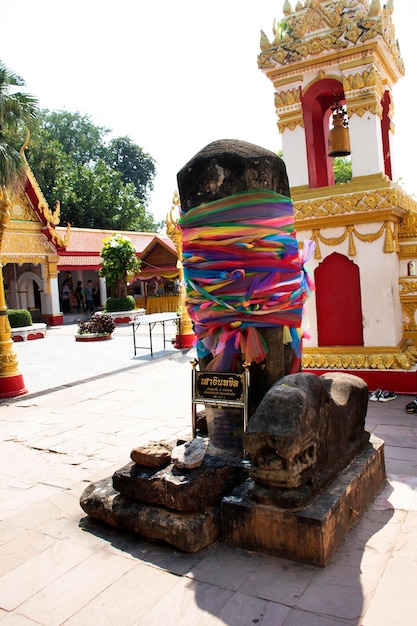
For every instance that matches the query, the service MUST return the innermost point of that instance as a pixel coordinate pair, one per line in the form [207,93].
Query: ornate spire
[287,10]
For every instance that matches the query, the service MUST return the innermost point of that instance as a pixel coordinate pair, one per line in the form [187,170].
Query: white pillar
[103,290]
[30,295]
[295,156]
[366,144]
[51,299]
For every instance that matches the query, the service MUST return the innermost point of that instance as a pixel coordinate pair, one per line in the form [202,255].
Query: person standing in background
[66,296]
[79,294]
[89,296]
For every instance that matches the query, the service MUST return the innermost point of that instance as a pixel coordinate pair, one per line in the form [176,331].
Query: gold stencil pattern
[374,360]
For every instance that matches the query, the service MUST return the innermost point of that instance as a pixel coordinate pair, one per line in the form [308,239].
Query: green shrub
[19,317]
[127,303]
[99,323]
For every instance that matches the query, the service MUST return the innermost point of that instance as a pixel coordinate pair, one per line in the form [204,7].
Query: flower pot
[92,337]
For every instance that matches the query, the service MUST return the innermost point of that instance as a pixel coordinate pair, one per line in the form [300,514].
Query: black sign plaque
[219,386]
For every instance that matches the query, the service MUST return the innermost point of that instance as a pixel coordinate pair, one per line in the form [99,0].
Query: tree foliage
[99,183]
[119,263]
[17,112]
[342,168]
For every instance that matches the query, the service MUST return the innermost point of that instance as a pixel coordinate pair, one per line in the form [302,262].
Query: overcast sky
[173,75]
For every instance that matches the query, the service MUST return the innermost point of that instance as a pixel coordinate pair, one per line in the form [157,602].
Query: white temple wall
[295,156]
[379,279]
[366,145]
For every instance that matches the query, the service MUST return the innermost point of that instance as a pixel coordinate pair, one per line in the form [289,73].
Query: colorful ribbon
[242,272]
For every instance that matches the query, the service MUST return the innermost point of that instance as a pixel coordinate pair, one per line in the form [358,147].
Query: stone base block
[180,489]
[189,532]
[313,534]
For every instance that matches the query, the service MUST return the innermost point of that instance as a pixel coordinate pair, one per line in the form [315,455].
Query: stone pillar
[223,168]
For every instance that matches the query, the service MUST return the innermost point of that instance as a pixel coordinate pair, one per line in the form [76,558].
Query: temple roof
[85,244]
[328,26]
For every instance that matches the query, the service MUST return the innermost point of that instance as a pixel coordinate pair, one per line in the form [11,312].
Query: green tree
[17,111]
[78,136]
[119,263]
[135,165]
[99,184]
[342,169]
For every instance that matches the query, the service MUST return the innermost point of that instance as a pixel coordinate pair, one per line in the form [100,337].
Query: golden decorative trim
[345,203]
[343,357]
[408,308]
[364,107]
[5,206]
[351,231]
[408,285]
[357,81]
[357,62]
[358,184]
[408,227]
[407,252]
[28,243]
[53,267]
[283,82]
[290,122]
[50,218]
[21,259]
[301,35]
[287,98]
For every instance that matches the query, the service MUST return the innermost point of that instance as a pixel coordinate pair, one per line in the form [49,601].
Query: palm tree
[17,109]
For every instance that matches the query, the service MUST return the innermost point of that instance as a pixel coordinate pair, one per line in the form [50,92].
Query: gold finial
[171,222]
[175,234]
[374,9]
[25,144]
[287,10]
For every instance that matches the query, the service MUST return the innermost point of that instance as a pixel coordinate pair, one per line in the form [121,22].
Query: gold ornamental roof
[319,27]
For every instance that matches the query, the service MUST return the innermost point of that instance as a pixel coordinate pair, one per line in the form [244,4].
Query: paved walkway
[87,406]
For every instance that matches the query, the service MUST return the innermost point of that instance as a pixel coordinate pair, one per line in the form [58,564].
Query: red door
[338,302]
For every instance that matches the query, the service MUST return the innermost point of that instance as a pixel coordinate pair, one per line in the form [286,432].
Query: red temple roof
[85,244]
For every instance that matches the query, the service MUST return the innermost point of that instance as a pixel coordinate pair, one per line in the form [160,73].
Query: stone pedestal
[180,489]
[181,507]
[313,534]
[189,532]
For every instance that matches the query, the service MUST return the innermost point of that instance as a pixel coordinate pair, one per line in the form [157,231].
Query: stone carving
[305,431]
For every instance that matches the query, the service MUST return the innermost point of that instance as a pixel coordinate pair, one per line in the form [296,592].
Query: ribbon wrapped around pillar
[243,271]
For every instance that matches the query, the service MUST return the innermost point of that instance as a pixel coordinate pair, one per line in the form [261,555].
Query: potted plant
[119,264]
[98,328]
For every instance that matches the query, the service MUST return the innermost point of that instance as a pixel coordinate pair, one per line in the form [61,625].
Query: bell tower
[334,63]
[329,52]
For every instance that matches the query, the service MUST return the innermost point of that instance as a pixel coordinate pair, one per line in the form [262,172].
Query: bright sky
[173,75]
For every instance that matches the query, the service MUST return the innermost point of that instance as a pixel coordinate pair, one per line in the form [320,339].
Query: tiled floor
[58,567]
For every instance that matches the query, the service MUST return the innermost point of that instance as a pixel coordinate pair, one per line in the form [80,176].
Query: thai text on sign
[218,386]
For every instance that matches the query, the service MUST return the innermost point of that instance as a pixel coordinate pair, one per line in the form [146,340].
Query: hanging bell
[339,143]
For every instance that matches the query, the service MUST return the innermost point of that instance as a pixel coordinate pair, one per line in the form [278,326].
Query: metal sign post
[220,389]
